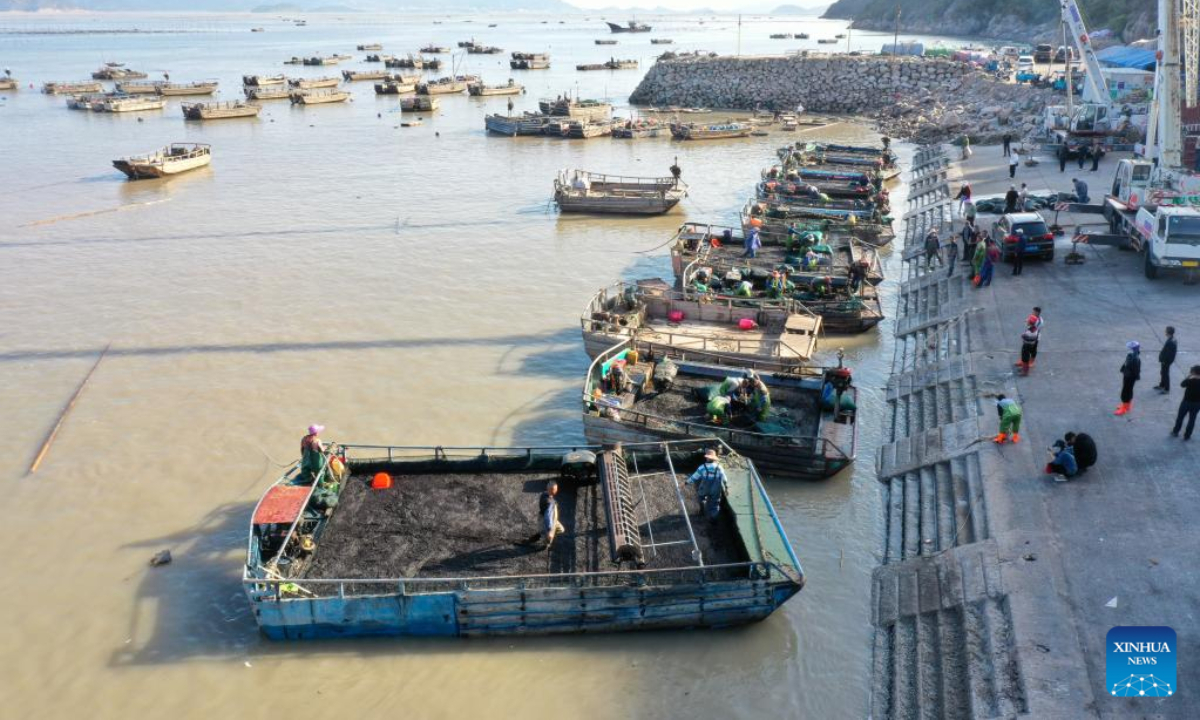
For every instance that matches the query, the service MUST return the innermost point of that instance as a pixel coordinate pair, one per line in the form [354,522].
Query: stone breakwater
[922,99]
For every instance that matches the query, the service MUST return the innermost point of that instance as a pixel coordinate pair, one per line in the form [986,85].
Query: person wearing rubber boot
[1131,372]
[1029,342]
[1010,420]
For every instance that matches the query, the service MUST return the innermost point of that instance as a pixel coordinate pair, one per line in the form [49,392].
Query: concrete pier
[997,585]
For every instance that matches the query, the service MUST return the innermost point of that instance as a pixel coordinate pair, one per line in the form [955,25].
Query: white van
[1025,62]
[1009,51]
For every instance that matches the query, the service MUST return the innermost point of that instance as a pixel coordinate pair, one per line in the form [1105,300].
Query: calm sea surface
[400,285]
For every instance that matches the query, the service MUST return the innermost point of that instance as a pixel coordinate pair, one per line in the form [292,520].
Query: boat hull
[144,171]
[616,205]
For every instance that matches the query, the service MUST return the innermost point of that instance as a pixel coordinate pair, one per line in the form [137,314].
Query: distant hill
[1010,20]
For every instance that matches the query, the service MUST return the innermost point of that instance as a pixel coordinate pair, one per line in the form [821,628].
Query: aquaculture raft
[443,550]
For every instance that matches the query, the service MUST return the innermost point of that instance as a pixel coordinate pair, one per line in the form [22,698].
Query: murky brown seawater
[400,285]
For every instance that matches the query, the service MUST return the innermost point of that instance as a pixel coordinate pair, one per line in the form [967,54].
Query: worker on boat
[810,260]
[857,275]
[550,526]
[760,396]
[744,289]
[312,453]
[821,287]
[710,481]
[776,285]
[718,408]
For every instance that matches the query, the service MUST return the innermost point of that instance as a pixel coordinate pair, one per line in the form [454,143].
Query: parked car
[1063,53]
[1043,52]
[1039,242]
[1025,63]
[1009,51]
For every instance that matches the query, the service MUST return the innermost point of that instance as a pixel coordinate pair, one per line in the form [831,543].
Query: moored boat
[277,92]
[370,46]
[419,103]
[630,27]
[710,131]
[72,88]
[443,86]
[587,192]
[326,60]
[394,87]
[798,424]
[514,125]
[139,88]
[179,89]
[529,61]
[606,42]
[220,110]
[319,97]
[358,75]
[129,103]
[565,106]
[478,89]
[435,50]
[365,552]
[171,160]
[484,50]
[117,73]
[773,336]
[313,83]
[638,128]
[263,80]
[662,41]
[9,83]
[377,58]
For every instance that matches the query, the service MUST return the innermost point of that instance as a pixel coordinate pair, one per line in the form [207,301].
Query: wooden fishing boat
[419,103]
[366,552]
[117,73]
[179,89]
[825,287]
[480,90]
[614,64]
[263,80]
[139,88]
[799,435]
[529,61]
[220,110]
[129,103]
[370,46]
[377,58]
[638,128]
[319,97]
[294,61]
[394,87]
[661,41]
[313,83]
[72,88]
[606,42]
[466,43]
[90,102]
[781,190]
[587,129]
[590,67]
[514,125]
[277,92]
[443,86]
[802,36]
[484,50]
[326,60]
[781,335]
[572,108]
[171,160]
[826,41]
[774,219]
[630,27]
[435,50]
[358,75]
[586,192]
[781,36]
[8,83]
[710,131]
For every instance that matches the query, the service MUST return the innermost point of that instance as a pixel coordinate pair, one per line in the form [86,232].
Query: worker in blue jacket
[710,481]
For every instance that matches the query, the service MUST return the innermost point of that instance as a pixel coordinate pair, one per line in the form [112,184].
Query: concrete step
[933,509]
[924,447]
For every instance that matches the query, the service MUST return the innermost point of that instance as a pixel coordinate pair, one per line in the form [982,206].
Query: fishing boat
[90,102]
[366,552]
[637,128]
[821,281]
[370,46]
[294,61]
[464,44]
[313,83]
[606,42]
[514,125]
[139,88]
[807,429]
[839,36]
[129,103]
[117,73]
[584,129]
[171,160]
[478,89]
[484,50]
[781,36]
[419,103]
[435,50]
[591,67]
[358,75]
[826,41]
[319,97]
[443,86]
[394,87]
[196,88]
[661,41]
[630,27]
[277,92]
[565,106]
[587,192]
[72,88]
[326,60]
[529,61]
[802,36]
[263,80]
[614,64]
[710,131]
[257,29]
[8,83]
[220,110]
[377,58]
[775,336]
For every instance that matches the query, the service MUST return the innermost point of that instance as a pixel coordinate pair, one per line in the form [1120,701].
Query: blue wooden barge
[435,542]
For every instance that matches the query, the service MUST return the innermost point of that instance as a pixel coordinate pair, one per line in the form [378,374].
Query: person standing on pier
[933,248]
[1190,405]
[1131,372]
[990,258]
[1023,198]
[963,197]
[978,256]
[1007,144]
[1029,342]
[951,254]
[1010,200]
[1022,245]
[1013,161]
[1096,152]
[1062,157]
[1166,357]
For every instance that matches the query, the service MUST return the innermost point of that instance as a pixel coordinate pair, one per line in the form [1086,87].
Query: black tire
[1151,268]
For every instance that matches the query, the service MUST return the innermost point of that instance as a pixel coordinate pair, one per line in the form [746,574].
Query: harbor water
[403,285]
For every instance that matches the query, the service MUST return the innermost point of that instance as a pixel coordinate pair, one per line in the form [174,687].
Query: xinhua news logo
[1141,661]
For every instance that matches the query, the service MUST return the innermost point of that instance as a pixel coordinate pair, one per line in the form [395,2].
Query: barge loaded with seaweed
[437,542]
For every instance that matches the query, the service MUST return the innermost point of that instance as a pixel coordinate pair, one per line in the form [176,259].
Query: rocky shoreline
[920,99]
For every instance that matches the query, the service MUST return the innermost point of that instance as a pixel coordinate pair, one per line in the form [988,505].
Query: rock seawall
[920,98]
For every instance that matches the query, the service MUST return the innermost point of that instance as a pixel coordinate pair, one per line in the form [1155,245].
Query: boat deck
[711,337]
[479,525]
[687,398]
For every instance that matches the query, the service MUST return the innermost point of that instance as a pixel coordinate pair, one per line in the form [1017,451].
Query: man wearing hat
[312,453]
[1131,372]
[710,482]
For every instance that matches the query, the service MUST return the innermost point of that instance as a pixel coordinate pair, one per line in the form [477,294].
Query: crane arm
[1079,33]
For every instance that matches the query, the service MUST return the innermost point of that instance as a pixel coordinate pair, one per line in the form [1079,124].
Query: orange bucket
[381,481]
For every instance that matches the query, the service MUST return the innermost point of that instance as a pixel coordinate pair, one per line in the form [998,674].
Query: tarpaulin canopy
[1126,57]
